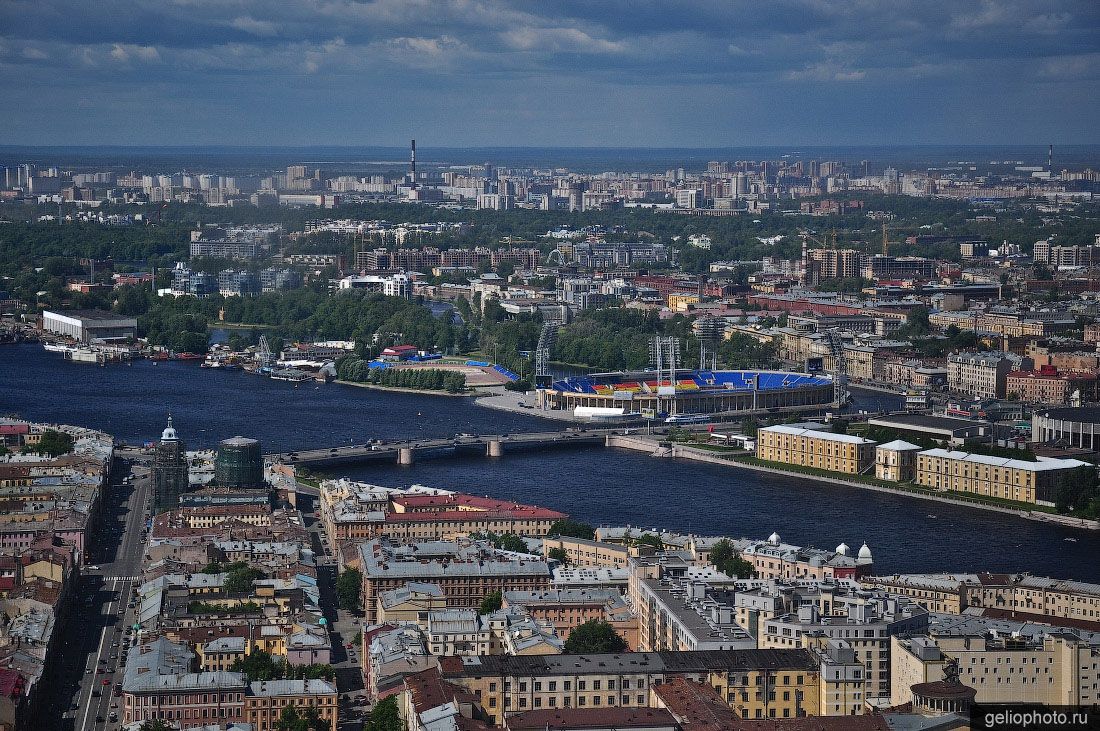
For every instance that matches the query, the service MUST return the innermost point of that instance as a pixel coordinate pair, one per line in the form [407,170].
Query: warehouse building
[88,326]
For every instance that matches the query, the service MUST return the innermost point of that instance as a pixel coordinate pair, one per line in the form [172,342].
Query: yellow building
[896,461]
[998,477]
[680,301]
[755,683]
[411,603]
[824,450]
[582,552]
[935,592]
[1055,669]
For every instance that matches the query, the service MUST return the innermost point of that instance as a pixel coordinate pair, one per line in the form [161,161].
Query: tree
[155,724]
[348,587]
[54,443]
[239,579]
[917,320]
[291,719]
[572,529]
[512,542]
[649,539]
[559,555]
[257,665]
[385,716]
[594,636]
[725,558]
[1075,489]
[491,603]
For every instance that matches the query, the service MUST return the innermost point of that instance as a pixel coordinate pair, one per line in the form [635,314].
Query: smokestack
[1050,158]
[412,162]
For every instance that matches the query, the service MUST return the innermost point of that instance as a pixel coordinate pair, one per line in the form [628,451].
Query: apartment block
[864,621]
[1057,668]
[1049,386]
[982,375]
[757,683]
[358,511]
[465,571]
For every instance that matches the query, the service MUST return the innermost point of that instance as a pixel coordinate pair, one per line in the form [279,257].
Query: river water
[596,485]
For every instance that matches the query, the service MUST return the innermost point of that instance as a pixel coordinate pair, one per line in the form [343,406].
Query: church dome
[774,539]
[169,433]
[865,552]
[843,549]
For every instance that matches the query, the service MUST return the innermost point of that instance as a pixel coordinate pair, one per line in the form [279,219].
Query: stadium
[694,392]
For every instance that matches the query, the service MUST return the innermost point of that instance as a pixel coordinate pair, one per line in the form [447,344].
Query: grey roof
[444,559]
[639,662]
[225,644]
[291,687]
[1079,414]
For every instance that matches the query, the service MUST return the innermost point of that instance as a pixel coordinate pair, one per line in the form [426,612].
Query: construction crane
[265,358]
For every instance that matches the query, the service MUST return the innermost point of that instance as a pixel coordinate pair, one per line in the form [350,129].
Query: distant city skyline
[622,74]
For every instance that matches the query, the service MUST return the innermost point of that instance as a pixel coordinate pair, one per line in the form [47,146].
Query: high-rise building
[169,470]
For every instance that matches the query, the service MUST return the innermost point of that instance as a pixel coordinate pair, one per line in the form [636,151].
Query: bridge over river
[408,451]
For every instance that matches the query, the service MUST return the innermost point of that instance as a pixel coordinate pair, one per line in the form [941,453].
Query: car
[106,681]
[95,694]
[93,568]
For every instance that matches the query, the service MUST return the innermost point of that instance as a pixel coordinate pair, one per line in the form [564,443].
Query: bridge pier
[494,448]
[405,455]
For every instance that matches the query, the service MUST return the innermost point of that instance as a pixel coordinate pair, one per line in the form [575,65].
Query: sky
[569,73]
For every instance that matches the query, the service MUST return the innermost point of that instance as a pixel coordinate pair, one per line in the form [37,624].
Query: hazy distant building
[169,470]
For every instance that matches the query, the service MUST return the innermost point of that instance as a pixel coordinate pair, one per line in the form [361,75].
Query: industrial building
[88,326]
[1067,427]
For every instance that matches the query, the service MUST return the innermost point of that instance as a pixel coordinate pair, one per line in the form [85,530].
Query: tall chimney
[1050,158]
[412,162]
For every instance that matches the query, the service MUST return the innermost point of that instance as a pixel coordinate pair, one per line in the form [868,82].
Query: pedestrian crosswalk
[121,578]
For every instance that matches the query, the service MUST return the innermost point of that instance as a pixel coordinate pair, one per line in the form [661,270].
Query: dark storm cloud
[493,72]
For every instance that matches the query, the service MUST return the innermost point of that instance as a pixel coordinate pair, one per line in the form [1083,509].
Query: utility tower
[709,331]
[547,337]
[663,353]
[840,368]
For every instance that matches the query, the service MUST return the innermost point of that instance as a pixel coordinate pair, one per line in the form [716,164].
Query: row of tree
[357,370]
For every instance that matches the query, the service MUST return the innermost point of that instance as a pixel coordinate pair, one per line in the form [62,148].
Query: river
[596,485]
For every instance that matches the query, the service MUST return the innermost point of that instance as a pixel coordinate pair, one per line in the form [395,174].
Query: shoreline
[396,389]
[677,451]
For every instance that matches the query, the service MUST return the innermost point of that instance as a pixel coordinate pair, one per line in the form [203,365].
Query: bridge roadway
[406,451]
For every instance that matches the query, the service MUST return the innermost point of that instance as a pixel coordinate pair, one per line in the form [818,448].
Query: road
[344,627]
[93,643]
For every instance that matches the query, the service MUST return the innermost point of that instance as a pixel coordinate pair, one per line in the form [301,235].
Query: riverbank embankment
[656,448]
